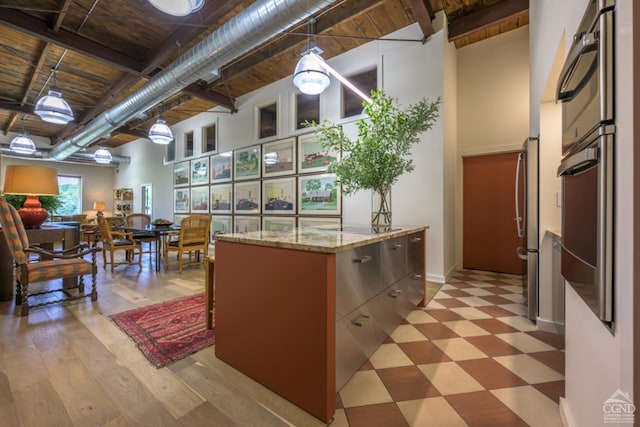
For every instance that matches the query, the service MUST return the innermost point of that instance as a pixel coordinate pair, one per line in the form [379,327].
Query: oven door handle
[579,162]
[586,43]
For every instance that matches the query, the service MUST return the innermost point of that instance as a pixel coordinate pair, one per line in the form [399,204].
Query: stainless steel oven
[586,89]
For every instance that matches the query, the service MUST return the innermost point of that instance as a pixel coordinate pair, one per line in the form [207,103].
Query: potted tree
[377,157]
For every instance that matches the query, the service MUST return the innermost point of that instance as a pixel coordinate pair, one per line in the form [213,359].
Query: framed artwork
[247,163]
[279,157]
[221,165]
[221,198]
[200,199]
[245,224]
[312,157]
[181,200]
[319,222]
[221,224]
[177,219]
[246,197]
[319,195]
[278,223]
[279,196]
[200,171]
[181,174]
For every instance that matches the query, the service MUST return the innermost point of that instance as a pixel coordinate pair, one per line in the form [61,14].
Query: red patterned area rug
[169,331]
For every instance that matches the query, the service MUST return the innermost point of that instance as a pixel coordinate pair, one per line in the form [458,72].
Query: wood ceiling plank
[423,14]
[482,18]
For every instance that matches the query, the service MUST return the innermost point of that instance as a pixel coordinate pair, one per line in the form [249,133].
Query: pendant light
[102,156]
[22,143]
[52,107]
[160,133]
[311,76]
[177,7]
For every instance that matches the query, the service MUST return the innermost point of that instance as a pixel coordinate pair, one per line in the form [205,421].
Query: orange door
[489,231]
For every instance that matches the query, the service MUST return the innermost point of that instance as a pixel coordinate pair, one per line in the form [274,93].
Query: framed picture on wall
[181,174]
[200,199]
[221,198]
[181,200]
[246,163]
[319,222]
[279,157]
[221,166]
[244,224]
[312,157]
[177,219]
[221,224]
[319,195]
[278,223]
[279,196]
[200,171]
[246,197]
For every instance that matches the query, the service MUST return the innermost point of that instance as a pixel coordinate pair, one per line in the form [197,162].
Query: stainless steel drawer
[393,256]
[357,277]
[415,252]
[358,335]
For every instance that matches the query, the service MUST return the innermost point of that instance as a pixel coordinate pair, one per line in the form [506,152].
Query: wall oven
[586,89]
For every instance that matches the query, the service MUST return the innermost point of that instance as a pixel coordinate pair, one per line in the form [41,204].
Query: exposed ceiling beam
[16,108]
[423,13]
[64,8]
[40,29]
[208,95]
[485,17]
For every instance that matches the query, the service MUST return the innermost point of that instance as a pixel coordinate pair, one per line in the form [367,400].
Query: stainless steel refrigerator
[526,188]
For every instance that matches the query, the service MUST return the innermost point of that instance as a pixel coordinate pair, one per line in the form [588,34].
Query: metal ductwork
[253,26]
[81,157]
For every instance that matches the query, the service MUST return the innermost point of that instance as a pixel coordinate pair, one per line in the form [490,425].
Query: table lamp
[31,181]
[99,207]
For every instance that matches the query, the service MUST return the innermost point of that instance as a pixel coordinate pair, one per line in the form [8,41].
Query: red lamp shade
[32,181]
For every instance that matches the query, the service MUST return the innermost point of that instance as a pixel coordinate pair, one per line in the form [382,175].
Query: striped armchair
[62,264]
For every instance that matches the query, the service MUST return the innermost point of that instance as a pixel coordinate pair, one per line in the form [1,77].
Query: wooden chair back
[137,220]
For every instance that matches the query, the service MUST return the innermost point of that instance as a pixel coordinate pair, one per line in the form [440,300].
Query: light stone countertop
[554,233]
[319,239]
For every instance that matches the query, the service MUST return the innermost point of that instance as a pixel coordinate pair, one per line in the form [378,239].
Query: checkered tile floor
[468,358]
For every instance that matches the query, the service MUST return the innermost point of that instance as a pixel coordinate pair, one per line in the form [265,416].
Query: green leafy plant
[378,156]
[50,203]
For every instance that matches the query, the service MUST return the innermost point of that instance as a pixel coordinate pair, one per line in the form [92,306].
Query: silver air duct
[256,24]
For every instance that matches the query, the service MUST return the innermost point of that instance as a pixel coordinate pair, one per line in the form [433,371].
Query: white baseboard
[565,415]
[549,326]
[435,278]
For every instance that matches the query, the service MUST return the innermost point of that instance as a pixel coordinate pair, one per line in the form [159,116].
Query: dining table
[160,232]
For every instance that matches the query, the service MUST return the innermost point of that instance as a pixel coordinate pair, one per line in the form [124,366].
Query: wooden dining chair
[113,241]
[140,220]
[47,265]
[192,238]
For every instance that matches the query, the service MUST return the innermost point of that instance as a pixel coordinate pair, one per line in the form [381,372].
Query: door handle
[587,42]
[522,253]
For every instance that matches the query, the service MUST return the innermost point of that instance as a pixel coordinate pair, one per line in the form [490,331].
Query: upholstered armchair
[193,237]
[113,241]
[47,265]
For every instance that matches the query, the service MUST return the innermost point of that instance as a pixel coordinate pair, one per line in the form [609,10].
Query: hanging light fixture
[22,143]
[52,107]
[177,7]
[102,156]
[160,133]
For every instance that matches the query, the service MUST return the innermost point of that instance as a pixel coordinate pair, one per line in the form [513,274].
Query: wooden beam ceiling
[479,19]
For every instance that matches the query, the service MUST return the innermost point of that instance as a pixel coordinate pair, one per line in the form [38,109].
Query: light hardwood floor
[69,365]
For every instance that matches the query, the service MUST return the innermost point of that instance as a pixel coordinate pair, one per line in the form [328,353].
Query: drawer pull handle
[395,293]
[357,321]
[416,276]
[362,260]
[416,239]
[396,247]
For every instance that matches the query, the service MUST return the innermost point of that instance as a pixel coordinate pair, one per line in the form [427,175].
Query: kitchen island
[301,311]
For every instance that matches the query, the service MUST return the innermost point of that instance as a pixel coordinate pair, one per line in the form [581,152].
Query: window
[188,144]
[147,202]
[307,109]
[268,121]
[209,138]
[351,102]
[171,151]
[70,195]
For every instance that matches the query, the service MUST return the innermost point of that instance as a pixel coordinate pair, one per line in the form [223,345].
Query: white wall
[97,181]
[492,103]
[597,362]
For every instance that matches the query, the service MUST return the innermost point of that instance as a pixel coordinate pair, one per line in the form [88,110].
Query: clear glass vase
[381,209]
